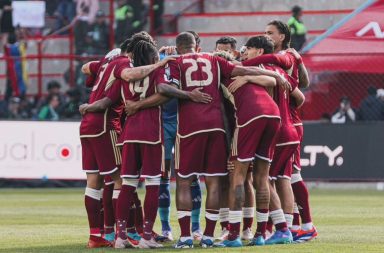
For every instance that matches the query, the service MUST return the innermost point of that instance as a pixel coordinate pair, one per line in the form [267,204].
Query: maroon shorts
[258,138]
[142,160]
[281,166]
[100,154]
[296,155]
[202,154]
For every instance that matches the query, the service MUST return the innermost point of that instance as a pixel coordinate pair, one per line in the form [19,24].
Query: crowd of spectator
[371,108]
[56,105]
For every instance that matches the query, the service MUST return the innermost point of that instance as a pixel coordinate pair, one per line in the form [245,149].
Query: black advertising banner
[343,152]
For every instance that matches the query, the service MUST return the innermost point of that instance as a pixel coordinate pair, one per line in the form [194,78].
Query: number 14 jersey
[145,125]
[191,71]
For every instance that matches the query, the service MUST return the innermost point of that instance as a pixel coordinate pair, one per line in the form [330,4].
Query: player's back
[252,101]
[200,70]
[288,132]
[94,124]
[144,125]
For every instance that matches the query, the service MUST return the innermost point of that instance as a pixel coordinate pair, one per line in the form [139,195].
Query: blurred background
[44,44]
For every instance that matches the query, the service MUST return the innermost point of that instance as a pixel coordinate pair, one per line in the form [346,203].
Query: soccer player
[289,59]
[257,125]
[281,167]
[98,133]
[169,115]
[200,143]
[227,44]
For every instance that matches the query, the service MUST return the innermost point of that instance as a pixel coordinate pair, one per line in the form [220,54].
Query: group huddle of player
[231,118]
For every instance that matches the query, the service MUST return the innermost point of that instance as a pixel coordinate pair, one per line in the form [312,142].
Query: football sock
[262,219]
[184,218]
[248,213]
[93,207]
[211,217]
[164,204]
[234,224]
[196,205]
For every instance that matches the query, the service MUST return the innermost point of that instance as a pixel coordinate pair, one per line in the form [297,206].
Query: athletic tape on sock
[248,212]
[296,178]
[152,181]
[93,193]
[134,182]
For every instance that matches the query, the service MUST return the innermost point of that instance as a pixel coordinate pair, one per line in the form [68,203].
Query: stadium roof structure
[355,44]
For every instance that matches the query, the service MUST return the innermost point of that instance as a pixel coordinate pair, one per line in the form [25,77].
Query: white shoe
[167,234]
[224,235]
[149,244]
[247,234]
[121,244]
[197,235]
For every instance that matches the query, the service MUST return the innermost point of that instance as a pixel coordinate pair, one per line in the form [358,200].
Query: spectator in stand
[53,88]
[130,18]
[17,76]
[344,114]
[298,29]
[370,107]
[83,42]
[13,108]
[158,9]
[49,111]
[6,26]
[65,12]
[92,6]
[123,16]
[380,95]
[71,108]
[99,35]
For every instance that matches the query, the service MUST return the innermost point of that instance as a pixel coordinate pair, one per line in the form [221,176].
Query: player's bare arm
[131,107]
[298,96]
[303,73]
[195,95]
[85,68]
[97,106]
[138,73]
[256,71]
[239,81]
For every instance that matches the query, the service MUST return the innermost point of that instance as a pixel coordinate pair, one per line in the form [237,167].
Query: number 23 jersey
[199,70]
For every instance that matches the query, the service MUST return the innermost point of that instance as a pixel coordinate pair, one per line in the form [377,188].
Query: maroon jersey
[145,125]
[191,71]
[288,62]
[95,124]
[288,133]
[252,102]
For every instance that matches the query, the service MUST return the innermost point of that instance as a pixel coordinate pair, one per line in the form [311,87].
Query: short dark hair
[128,45]
[296,10]
[185,40]
[227,40]
[53,84]
[144,53]
[283,29]
[197,37]
[261,41]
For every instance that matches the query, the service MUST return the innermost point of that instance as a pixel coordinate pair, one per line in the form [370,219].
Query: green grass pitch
[54,220]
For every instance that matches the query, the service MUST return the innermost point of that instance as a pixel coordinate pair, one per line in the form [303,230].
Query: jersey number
[193,68]
[100,77]
[140,86]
